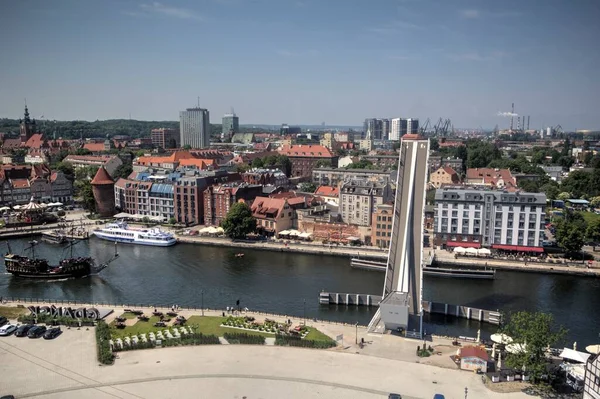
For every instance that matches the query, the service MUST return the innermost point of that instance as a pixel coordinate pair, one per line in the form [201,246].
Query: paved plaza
[67,368]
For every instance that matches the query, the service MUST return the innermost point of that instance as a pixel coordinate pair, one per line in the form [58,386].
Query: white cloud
[175,12]
[470,14]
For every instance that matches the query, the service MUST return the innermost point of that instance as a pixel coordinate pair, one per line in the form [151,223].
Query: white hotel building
[485,218]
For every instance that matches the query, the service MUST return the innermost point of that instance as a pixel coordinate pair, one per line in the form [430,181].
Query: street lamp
[356,340]
[202,304]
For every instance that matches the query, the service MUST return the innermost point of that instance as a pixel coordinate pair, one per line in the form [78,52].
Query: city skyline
[304,62]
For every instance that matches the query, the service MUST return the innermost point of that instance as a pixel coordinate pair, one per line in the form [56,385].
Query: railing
[17,300]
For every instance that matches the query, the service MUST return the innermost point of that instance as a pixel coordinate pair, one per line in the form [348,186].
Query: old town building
[273,215]
[304,158]
[219,198]
[358,199]
[443,176]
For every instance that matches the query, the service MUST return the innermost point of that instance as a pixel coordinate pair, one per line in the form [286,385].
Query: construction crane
[424,127]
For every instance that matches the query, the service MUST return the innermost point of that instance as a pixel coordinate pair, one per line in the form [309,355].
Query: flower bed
[243,338]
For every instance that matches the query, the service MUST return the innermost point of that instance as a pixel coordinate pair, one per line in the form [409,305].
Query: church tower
[27,127]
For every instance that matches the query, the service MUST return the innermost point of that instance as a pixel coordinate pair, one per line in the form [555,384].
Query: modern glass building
[194,126]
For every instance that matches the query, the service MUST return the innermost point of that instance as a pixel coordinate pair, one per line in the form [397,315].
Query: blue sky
[304,61]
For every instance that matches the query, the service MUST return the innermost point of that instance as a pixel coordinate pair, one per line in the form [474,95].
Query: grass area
[316,335]
[140,327]
[589,216]
[212,325]
[12,312]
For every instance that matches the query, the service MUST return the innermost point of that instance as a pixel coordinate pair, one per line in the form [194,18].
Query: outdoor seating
[120,319]
[172,314]
[157,314]
[121,325]
[143,318]
[159,324]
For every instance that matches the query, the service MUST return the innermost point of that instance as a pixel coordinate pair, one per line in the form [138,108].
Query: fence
[23,301]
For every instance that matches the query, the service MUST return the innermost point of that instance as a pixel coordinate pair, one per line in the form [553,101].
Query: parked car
[23,330]
[52,333]
[7,329]
[36,332]
[394,396]
[3,320]
[439,396]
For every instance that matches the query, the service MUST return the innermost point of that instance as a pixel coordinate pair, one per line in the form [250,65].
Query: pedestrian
[227,309]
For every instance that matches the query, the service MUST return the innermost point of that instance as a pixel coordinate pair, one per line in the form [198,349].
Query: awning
[284,233]
[517,248]
[463,244]
[459,250]
[575,356]
[484,251]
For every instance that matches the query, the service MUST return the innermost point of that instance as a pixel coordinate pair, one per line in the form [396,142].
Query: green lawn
[211,325]
[12,312]
[128,315]
[141,327]
[316,335]
[589,216]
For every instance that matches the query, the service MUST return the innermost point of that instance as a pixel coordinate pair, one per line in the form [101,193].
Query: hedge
[105,355]
[48,319]
[244,338]
[192,339]
[282,340]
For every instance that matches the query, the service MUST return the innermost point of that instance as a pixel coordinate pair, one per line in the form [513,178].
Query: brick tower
[103,187]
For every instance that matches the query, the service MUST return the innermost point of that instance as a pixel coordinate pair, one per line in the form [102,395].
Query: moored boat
[121,232]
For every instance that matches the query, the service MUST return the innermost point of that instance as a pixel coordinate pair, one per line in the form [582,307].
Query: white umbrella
[501,338]
[593,349]
[459,250]
[516,348]
[5,208]
[484,251]
[17,207]
[471,251]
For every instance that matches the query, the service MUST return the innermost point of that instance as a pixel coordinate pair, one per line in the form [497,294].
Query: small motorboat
[240,255]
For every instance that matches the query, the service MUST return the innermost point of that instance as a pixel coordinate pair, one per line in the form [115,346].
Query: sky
[304,61]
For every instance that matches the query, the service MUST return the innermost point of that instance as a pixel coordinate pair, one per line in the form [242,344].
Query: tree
[570,232]
[242,167]
[123,171]
[239,221]
[323,163]
[592,233]
[307,187]
[187,147]
[172,221]
[258,163]
[82,151]
[551,190]
[565,195]
[434,144]
[532,334]
[87,195]
[66,168]
[362,164]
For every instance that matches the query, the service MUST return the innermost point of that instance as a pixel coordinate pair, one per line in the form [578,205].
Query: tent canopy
[501,339]
[570,354]
[484,251]
[459,250]
[284,233]
[471,251]
[593,349]
[122,215]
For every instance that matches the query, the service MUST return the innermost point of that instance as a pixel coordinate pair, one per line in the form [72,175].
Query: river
[289,283]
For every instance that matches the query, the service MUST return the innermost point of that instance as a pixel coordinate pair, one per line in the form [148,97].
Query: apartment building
[334,177]
[358,199]
[110,162]
[273,215]
[444,176]
[305,157]
[498,219]
[218,199]
[591,388]
[381,226]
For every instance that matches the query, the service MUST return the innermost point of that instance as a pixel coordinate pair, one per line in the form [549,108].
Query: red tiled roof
[449,170]
[20,183]
[199,163]
[310,150]
[328,191]
[491,176]
[11,143]
[411,137]
[99,158]
[176,156]
[474,351]
[102,177]
[94,147]
[263,205]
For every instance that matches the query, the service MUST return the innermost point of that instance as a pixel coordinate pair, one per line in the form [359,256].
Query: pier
[464,312]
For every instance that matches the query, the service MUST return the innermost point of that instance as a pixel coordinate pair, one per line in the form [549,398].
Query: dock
[429,270]
[464,312]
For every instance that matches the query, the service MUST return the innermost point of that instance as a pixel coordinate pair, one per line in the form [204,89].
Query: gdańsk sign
[79,313]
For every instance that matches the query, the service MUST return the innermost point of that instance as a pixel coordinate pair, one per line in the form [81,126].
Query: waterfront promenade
[387,363]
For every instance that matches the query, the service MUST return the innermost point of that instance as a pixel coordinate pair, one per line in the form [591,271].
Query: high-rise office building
[412,126]
[398,129]
[372,128]
[194,126]
[231,125]
[385,128]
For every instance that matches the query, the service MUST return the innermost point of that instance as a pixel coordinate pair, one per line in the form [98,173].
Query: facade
[454,163]
[334,177]
[412,126]
[381,226]
[265,177]
[218,200]
[490,218]
[473,358]
[231,126]
[194,127]
[160,199]
[304,158]
[273,215]
[373,128]
[398,129]
[358,199]
[591,388]
[62,188]
[386,126]
[188,200]
[103,190]
[110,162]
[19,183]
[331,194]
[443,176]
[173,161]
[165,138]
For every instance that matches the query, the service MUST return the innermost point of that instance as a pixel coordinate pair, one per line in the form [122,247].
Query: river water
[289,283]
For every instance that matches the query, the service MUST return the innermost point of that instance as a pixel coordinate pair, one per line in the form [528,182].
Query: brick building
[381,226]
[218,199]
[304,158]
[110,162]
[444,175]
[265,177]
[103,190]
[165,137]
[273,215]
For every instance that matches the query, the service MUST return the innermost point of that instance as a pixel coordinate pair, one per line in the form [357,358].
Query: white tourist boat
[121,232]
